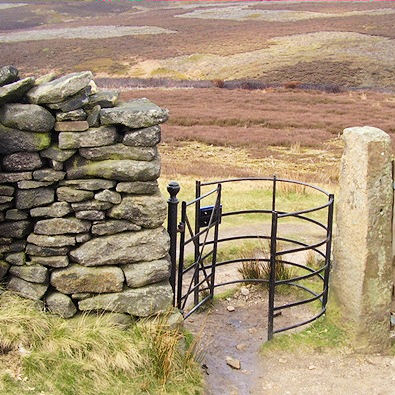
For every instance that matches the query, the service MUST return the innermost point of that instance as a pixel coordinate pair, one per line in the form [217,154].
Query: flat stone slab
[15,140]
[51,241]
[146,137]
[146,211]
[55,210]
[55,153]
[27,289]
[138,187]
[94,137]
[59,89]
[32,273]
[50,175]
[110,227]
[76,279]
[60,226]
[30,117]
[145,245]
[89,185]
[104,99]
[22,161]
[144,273]
[29,198]
[109,196]
[140,113]
[40,251]
[139,302]
[75,115]
[51,261]
[15,91]
[119,151]
[120,170]
[16,229]
[73,195]
[71,126]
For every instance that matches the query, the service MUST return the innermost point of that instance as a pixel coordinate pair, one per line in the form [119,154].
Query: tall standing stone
[363,244]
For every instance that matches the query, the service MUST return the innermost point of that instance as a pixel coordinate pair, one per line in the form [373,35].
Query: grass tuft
[89,354]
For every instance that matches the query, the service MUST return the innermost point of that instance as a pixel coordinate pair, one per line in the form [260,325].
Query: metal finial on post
[172,203]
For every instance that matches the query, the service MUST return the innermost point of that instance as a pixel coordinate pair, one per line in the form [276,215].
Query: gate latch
[205,215]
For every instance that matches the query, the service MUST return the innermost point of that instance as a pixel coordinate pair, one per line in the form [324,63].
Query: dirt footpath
[240,333]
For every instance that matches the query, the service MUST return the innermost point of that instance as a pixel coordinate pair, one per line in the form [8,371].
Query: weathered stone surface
[91,215]
[8,75]
[75,115]
[72,195]
[74,102]
[147,137]
[27,289]
[119,151]
[16,229]
[16,215]
[4,266]
[22,161]
[59,89]
[29,198]
[6,190]
[109,196]
[139,302]
[15,177]
[93,117]
[363,244]
[104,99]
[111,227]
[55,153]
[48,175]
[78,278]
[16,258]
[82,237]
[6,199]
[120,170]
[5,206]
[5,240]
[45,78]
[14,140]
[39,251]
[55,210]
[144,273]
[146,211]
[32,273]
[15,91]
[89,185]
[94,137]
[56,165]
[51,261]
[145,245]
[91,205]
[33,184]
[30,117]
[51,241]
[71,126]
[119,320]
[140,113]
[60,226]
[16,246]
[60,304]
[81,295]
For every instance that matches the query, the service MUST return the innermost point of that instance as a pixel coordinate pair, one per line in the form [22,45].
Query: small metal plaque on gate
[205,215]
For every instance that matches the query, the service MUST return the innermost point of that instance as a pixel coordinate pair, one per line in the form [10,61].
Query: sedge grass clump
[89,354]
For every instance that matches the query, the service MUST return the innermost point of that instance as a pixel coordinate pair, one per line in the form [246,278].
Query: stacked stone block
[80,210]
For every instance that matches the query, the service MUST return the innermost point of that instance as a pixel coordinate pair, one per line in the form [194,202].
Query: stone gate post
[362,269]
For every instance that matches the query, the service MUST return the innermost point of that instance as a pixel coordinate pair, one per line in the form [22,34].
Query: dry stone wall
[80,210]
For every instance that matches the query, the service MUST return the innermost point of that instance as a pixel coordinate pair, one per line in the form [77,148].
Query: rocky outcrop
[80,210]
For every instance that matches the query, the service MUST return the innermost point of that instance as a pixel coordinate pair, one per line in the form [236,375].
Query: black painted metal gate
[194,280]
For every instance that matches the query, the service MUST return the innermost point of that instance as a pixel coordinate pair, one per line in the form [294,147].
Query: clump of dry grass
[89,354]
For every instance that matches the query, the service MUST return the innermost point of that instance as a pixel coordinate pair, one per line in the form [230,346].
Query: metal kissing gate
[199,234]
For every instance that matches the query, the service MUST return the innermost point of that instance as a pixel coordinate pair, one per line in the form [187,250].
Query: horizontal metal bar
[265,179]
[194,263]
[248,280]
[237,261]
[240,212]
[304,248]
[300,302]
[239,238]
[201,197]
[308,210]
[303,277]
[301,323]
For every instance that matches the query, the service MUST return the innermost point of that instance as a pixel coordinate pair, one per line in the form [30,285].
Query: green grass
[90,355]
[326,332]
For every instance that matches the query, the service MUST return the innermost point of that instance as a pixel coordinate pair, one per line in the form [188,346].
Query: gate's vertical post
[274,193]
[172,205]
[181,255]
[272,277]
[217,212]
[197,243]
[328,249]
